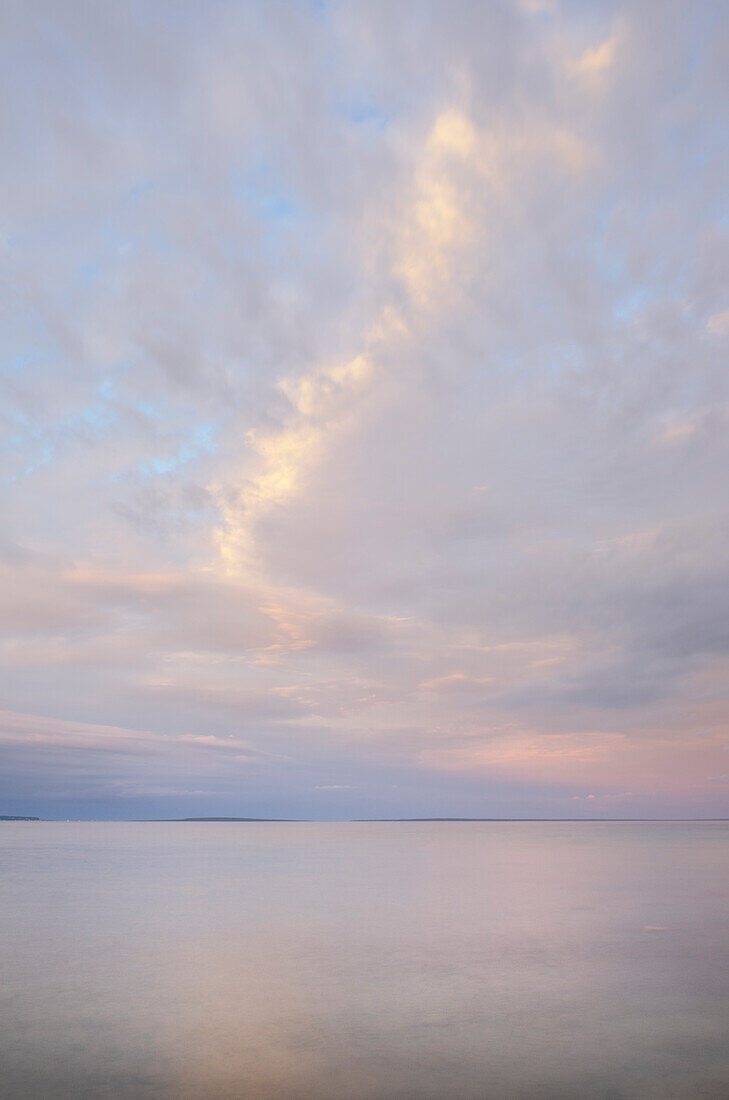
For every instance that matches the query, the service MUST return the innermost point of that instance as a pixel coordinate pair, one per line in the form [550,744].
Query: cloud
[50,760]
[596,61]
[318,401]
[32,730]
[718,324]
[362,397]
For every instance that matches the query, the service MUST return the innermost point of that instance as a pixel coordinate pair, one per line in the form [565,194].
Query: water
[364,961]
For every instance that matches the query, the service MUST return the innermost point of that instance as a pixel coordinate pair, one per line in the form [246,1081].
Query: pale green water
[364,960]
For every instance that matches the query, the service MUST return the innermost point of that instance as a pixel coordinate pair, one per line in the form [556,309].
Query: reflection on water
[365,961]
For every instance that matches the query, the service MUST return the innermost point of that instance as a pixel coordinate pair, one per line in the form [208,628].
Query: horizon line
[223,819]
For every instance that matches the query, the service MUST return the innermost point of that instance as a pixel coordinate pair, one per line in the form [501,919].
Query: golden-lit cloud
[442,224]
[718,324]
[437,225]
[322,401]
[594,64]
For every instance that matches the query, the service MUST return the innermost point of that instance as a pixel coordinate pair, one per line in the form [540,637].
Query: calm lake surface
[428,960]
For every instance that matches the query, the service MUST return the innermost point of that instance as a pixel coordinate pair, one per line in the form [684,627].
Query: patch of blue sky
[116,371]
[265,195]
[318,8]
[151,409]
[107,389]
[363,111]
[603,211]
[704,23]
[103,249]
[93,419]
[160,243]
[46,455]
[138,190]
[600,241]
[627,307]
[18,362]
[202,442]
[20,421]
[548,363]
[162,465]
[89,272]
[96,416]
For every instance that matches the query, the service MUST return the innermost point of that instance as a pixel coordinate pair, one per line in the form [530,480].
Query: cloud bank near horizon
[365,406]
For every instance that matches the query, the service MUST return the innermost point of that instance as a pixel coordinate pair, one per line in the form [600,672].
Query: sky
[364,408]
